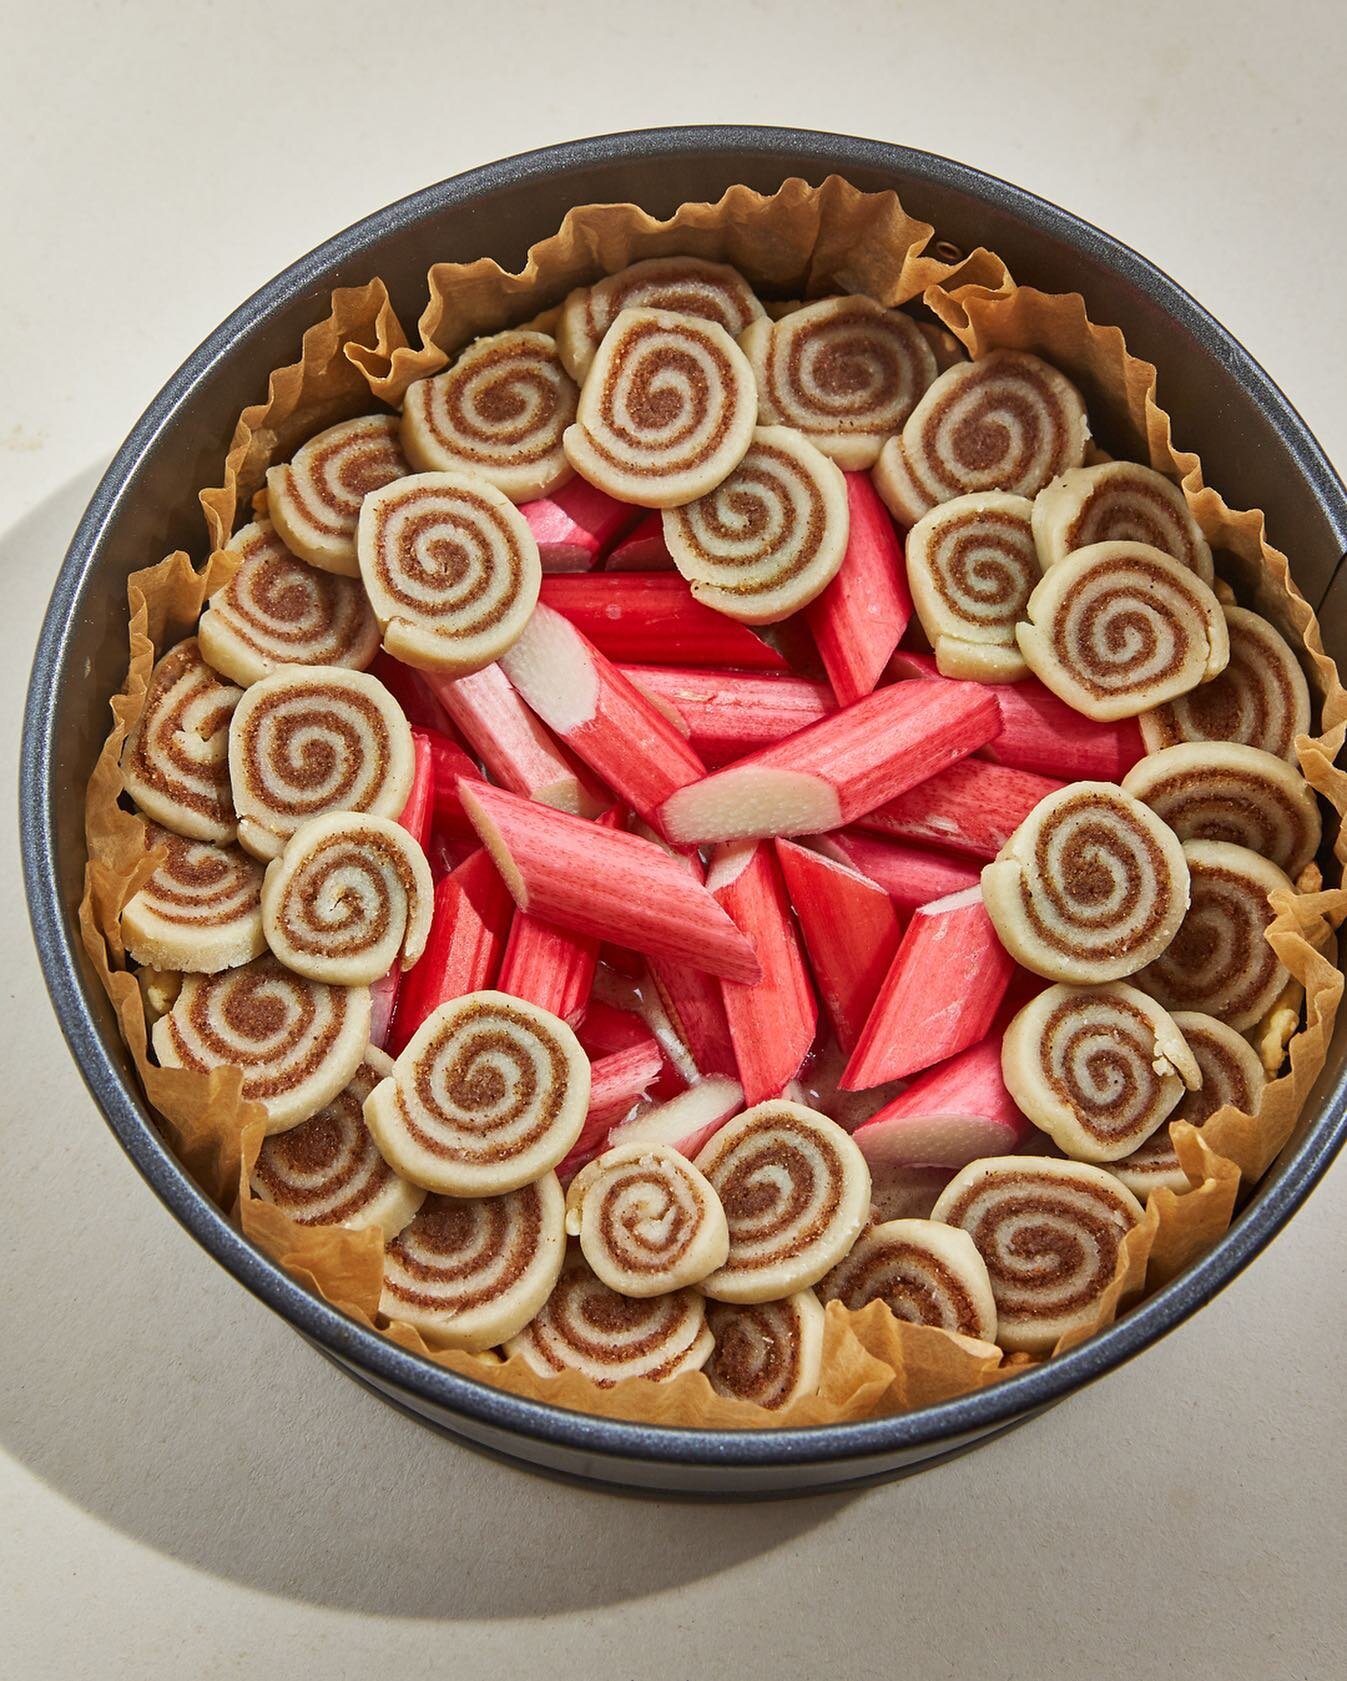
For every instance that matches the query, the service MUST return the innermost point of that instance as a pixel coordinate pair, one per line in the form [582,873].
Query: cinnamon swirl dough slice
[1006,422]
[647,1220]
[489,1093]
[769,538]
[769,1353]
[297,1042]
[327,1171]
[276,610]
[200,910]
[796,1192]
[1231,1074]
[498,413]
[175,764]
[844,371]
[1261,698]
[971,566]
[1119,627]
[1220,961]
[586,1327]
[1089,888]
[309,740]
[1224,791]
[1048,1232]
[1118,501]
[471,1273]
[1097,1068]
[314,500]
[451,570]
[666,411]
[927,1273]
[348,898]
[677,285]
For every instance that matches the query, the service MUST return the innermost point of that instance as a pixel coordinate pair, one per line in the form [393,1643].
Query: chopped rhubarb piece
[727,714]
[851,932]
[690,1001]
[939,997]
[643,549]
[859,618]
[839,769]
[604,719]
[468,931]
[651,617]
[448,849]
[411,691]
[1041,733]
[418,813]
[949,1116]
[607,1027]
[973,807]
[910,875]
[616,1084]
[577,525]
[511,743]
[772,1021]
[603,881]
[629,963]
[686,1122]
[448,762]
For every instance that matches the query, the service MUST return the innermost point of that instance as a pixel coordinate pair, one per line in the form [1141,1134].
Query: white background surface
[188,1490]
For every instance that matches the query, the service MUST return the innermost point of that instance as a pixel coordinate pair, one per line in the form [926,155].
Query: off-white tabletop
[186,1488]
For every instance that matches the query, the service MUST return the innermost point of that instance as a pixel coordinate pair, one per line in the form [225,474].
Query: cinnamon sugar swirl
[971,566]
[175,764]
[1118,501]
[769,1353]
[200,910]
[314,500]
[647,1220]
[925,1272]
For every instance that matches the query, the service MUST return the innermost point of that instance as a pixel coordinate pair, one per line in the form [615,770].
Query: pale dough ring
[927,1273]
[1118,501]
[647,1220]
[971,567]
[769,1353]
[175,764]
[201,910]
[314,500]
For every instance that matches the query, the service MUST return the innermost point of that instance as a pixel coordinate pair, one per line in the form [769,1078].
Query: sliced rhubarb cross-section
[577,525]
[940,996]
[851,931]
[603,718]
[605,882]
[949,1116]
[771,1021]
[859,618]
[686,1122]
[839,769]
[727,714]
[910,875]
[651,618]
[643,549]
[973,807]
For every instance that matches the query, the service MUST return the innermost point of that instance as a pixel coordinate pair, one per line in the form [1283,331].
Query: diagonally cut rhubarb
[858,620]
[973,807]
[949,1116]
[576,526]
[727,714]
[910,875]
[685,1122]
[651,617]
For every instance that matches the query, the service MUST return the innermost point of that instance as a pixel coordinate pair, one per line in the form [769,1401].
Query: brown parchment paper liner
[800,242]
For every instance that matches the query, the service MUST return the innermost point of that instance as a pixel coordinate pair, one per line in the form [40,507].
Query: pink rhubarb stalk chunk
[858,620]
[605,883]
[651,618]
[910,875]
[973,807]
[851,932]
[772,1021]
[727,714]
[839,769]
[643,549]
[616,1084]
[577,525]
[940,995]
[949,1116]
[687,1121]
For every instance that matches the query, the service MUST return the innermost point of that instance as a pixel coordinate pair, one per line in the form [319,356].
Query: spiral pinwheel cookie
[200,910]
[314,500]
[1231,1074]
[297,1042]
[1049,1233]
[489,1093]
[1089,888]
[1220,962]
[1119,628]
[472,1272]
[175,764]
[927,1273]
[769,1353]
[349,898]
[308,740]
[276,610]
[327,1170]
[647,1220]
[451,570]
[1006,422]
[796,1192]
[1224,791]
[844,371]
[1261,698]
[677,285]
[770,537]
[586,1327]
[1097,1068]
[666,411]
[1118,501]
[971,566]
[498,413]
